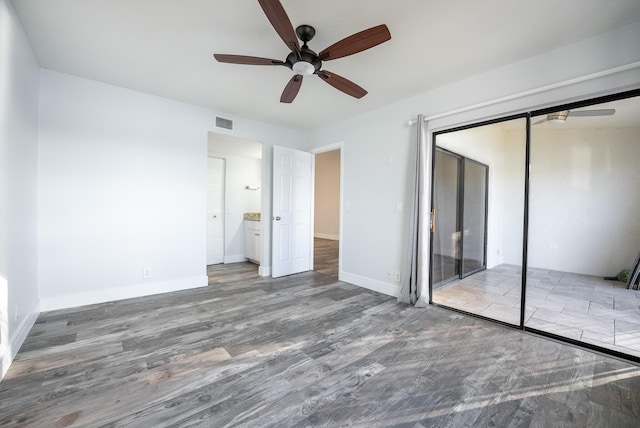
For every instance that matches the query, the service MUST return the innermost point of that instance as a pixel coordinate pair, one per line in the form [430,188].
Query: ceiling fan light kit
[305,62]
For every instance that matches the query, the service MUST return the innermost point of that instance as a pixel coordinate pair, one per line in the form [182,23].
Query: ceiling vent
[223,123]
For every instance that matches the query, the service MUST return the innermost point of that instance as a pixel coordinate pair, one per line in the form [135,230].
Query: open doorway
[234,205]
[327,197]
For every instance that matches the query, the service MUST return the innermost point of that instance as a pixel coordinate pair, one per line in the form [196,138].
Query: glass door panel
[583,225]
[446,260]
[479,219]
[474,217]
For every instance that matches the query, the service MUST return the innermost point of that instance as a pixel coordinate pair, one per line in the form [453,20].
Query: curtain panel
[415,276]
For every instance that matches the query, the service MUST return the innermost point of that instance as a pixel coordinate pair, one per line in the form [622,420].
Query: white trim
[235,258]
[327,148]
[327,236]
[120,293]
[392,290]
[530,92]
[8,353]
[264,271]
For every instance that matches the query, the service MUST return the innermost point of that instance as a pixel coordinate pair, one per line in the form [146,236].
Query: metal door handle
[433,220]
[278,218]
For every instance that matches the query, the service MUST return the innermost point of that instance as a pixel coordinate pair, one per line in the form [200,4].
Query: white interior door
[291,243]
[215,210]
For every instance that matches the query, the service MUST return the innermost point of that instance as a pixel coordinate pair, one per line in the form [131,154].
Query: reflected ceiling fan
[305,62]
[559,117]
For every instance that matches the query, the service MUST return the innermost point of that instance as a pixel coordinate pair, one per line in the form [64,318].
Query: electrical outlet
[396,276]
[146,273]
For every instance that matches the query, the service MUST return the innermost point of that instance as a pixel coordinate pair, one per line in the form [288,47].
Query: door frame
[314,152]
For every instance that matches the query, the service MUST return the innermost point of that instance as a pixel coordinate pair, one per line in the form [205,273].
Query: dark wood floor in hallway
[303,350]
[325,256]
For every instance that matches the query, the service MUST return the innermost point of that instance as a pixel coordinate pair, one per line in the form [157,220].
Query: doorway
[327,214]
[460,211]
[240,196]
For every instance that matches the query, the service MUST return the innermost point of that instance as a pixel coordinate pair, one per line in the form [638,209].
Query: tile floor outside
[580,307]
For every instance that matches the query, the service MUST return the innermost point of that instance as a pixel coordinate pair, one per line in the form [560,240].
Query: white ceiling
[165,47]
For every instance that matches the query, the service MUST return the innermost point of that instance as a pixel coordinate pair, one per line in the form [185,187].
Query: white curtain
[415,276]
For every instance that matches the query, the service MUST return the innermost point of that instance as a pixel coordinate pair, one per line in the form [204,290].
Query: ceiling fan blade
[540,121]
[291,90]
[249,60]
[356,43]
[342,84]
[281,23]
[589,113]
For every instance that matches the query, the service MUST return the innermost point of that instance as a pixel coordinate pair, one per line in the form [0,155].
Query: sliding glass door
[584,229]
[474,217]
[460,206]
[536,222]
[478,202]
[446,238]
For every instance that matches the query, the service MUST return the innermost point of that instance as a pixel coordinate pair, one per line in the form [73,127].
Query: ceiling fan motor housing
[307,61]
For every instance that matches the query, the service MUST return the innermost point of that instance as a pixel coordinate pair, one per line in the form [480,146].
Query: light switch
[399,206]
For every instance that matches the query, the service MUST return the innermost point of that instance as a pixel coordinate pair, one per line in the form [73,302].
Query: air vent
[223,123]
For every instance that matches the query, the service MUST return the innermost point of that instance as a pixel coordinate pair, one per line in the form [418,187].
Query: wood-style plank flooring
[325,256]
[302,351]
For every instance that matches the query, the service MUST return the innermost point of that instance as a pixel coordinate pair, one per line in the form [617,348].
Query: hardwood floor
[300,351]
[325,256]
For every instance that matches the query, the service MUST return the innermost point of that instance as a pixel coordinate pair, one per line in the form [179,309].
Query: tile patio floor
[580,307]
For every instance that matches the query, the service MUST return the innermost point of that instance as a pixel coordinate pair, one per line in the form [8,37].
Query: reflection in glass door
[474,217]
[560,222]
[477,239]
[460,205]
[446,261]
[584,233]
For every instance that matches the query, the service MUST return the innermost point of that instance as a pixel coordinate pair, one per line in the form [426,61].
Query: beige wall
[327,195]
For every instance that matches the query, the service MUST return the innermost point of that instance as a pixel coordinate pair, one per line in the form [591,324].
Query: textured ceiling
[165,47]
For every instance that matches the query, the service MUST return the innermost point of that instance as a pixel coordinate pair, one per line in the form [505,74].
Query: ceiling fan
[559,117]
[305,62]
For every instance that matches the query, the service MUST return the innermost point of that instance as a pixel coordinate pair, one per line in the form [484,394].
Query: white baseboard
[235,258]
[264,271]
[120,293]
[8,353]
[326,236]
[392,290]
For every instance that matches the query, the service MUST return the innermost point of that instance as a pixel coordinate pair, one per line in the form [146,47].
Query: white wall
[327,195]
[19,82]
[122,186]
[239,172]
[584,200]
[378,146]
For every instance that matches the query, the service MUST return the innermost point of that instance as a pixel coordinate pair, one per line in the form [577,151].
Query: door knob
[278,218]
